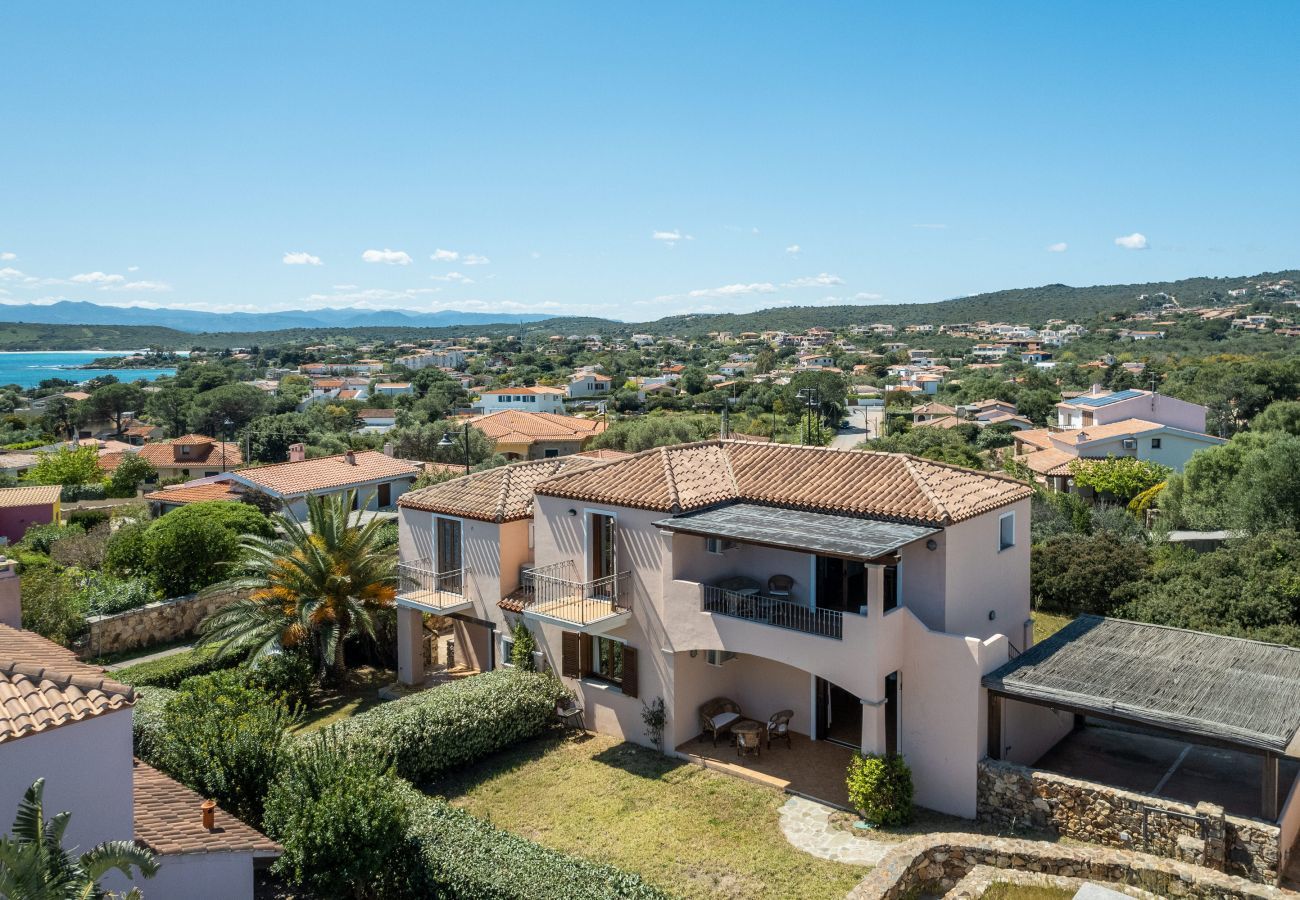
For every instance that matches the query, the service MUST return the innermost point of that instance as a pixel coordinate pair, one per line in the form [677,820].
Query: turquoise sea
[30,369]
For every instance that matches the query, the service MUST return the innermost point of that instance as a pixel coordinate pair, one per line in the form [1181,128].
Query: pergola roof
[1226,689]
[798,530]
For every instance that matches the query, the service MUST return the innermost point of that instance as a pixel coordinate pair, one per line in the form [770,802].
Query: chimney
[297,452]
[388,448]
[209,809]
[350,457]
[11,595]
[1095,389]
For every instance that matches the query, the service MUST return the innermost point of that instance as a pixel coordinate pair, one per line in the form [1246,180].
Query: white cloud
[735,290]
[300,258]
[820,280]
[1059,247]
[98,278]
[1135,241]
[9,273]
[387,257]
[670,238]
[794,250]
[133,268]
[441,255]
[6,256]
[474,259]
[158,286]
[453,276]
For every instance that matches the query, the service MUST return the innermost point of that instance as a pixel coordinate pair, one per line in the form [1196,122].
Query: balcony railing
[418,582]
[553,591]
[774,611]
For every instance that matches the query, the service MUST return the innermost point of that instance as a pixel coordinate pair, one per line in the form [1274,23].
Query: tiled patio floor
[809,768]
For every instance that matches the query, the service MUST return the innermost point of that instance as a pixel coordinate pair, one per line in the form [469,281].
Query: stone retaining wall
[1012,796]
[980,879]
[156,623]
[938,863]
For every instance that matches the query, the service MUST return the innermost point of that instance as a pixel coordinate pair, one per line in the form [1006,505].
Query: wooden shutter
[584,654]
[629,671]
[570,654]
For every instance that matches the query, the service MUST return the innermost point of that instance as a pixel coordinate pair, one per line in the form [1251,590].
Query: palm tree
[34,865]
[312,585]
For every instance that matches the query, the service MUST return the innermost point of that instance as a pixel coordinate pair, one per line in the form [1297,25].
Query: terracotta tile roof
[514,426]
[891,486]
[110,461]
[30,495]
[194,493]
[540,389]
[1035,437]
[933,409]
[169,820]
[43,686]
[1090,433]
[163,454]
[502,494]
[940,422]
[1048,462]
[327,473]
[377,413]
[605,453]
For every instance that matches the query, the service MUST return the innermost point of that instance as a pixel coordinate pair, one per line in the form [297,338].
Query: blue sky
[634,160]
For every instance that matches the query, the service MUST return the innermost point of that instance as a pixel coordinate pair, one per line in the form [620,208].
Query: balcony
[828,623]
[553,592]
[420,586]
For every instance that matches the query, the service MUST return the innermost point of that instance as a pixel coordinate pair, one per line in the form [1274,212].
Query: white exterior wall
[201,876]
[87,770]
[1174,451]
[981,579]
[538,403]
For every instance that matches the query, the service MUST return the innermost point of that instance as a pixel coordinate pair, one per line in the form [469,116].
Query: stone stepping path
[807,825]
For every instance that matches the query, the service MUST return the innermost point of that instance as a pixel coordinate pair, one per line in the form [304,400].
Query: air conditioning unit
[718,546]
[718,657]
[1129,443]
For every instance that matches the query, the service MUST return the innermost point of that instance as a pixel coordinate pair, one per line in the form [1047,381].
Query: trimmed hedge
[457,855]
[147,721]
[456,724]
[170,671]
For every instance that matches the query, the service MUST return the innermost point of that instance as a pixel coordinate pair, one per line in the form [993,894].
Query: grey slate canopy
[1229,689]
[796,530]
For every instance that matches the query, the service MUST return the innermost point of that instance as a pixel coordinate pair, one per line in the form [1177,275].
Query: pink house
[23,507]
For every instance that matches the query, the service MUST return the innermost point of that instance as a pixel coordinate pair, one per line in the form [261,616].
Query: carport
[1161,685]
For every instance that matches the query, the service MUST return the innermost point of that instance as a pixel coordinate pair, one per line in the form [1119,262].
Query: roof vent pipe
[351,457]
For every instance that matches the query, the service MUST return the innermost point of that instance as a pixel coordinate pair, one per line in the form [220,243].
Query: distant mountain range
[80,312]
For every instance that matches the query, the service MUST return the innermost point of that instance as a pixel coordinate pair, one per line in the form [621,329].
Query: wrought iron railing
[553,590]
[419,582]
[773,611]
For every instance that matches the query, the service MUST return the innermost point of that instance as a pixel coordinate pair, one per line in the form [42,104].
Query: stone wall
[1012,796]
[938,863]
[156,623]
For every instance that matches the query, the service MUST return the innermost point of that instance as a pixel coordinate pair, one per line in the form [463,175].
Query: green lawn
[1004,891]
[692,832]
[359,693]
[1047,624]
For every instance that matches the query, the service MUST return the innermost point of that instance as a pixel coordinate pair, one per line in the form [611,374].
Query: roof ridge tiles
[910,464]
[674,498]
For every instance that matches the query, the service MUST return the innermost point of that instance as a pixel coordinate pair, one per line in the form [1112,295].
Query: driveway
[861,428]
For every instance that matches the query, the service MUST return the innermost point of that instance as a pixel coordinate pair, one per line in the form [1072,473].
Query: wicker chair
[717,716]
[780,586]
[779,727]
[749,741]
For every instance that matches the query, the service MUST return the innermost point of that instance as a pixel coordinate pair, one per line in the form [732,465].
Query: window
[507,650]
[1006,532]
[1155,443]
[607,659]
[718,657]
[552,452]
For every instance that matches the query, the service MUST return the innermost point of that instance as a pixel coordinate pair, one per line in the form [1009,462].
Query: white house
[526,399]
[587,384]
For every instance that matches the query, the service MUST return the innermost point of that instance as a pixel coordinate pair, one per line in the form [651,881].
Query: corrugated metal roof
[798,530]
[1211,685]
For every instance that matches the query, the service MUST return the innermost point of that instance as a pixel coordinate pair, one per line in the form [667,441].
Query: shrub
[103,595]
[426,734]
[288,674]
[84,550]
[40,538]
[341,819]
[521,653]
[460,856]
[225,740]
[1076,573]
[147,723]
[71,493]
[126,478]
[125,555]
[170,671]
[191,547]
[53,605]
[880,788]
[88,518]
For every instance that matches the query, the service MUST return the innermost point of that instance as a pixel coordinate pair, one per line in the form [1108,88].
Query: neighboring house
[377,479]
[393,389]
[192,456]
[17,464]
[1137,438]
[377,421]
[588,384]
[867,592]
[525,399]
[535,435]
[202,490]
[1099,407]
[23,507]
[69,723]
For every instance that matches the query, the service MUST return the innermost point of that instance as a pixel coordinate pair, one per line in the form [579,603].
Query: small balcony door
[448,558]
[604,546]
[841,584]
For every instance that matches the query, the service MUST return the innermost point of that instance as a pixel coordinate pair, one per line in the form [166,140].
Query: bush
[103,595]
[1076,573]
[224,740]
[521,653]
[341,819]
[126,478]
[880,788]
[147,725]
[192,547]
[40,538]
[53,606]
[71,493]
[426,734]
[125,555]
[170,671]
[288,674]
[88,518]
[83,549]
[460,856]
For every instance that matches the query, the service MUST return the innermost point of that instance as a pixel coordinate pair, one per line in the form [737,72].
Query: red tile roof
[502,494]
[166,454]
[328,473]
[182,494]
[169,820]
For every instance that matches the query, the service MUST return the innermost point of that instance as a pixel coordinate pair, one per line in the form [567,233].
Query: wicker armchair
[780,586]
[749,740]
[717,716]
[779,727]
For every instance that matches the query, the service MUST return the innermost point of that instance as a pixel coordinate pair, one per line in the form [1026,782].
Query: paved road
[862,427]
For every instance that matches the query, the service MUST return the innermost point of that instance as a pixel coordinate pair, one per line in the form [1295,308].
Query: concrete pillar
[410,646]
[875,592]
[873,726]
[11,595]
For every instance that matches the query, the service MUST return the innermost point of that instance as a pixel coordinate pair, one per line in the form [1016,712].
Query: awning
[794,530]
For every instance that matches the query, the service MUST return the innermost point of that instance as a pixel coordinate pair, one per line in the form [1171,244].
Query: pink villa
[23,507]
[873,601]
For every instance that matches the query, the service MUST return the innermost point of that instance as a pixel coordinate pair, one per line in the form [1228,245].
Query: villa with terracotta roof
[377,479]
[192,456]
[864,593]
[537,435]
[69,723]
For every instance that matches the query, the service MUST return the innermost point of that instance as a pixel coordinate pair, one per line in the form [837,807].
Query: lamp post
[225,440]
[447,441]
